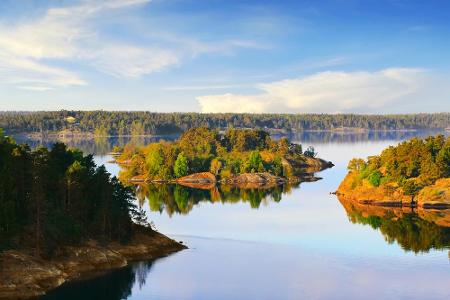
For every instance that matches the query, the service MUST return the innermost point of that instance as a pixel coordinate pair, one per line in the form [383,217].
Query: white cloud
[29,74]
[32,52]
[60,35]
[326,92]
[131,61]
[203,87]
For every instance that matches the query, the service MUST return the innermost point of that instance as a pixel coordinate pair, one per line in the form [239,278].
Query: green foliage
[356,164]
[181,166]
[411,164]
[375,178]
[241,140]
[155,162]
[204,150]
[411,187]
[443,159]
[254,163]
[277,166]
[199,142]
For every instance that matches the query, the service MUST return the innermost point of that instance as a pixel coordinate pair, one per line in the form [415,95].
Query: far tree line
[116,123]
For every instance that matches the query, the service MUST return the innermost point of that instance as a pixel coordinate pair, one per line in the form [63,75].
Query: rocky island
[415,173]
[204,157]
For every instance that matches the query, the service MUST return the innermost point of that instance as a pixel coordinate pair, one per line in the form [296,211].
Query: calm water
[292,243]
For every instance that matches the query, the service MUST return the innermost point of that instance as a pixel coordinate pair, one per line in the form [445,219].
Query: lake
[297,242]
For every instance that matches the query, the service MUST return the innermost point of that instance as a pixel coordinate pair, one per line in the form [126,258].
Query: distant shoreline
[90,135]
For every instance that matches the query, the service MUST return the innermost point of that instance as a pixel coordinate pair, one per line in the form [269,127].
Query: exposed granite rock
[25,276]
[257,178]
[199,178]
[436,196]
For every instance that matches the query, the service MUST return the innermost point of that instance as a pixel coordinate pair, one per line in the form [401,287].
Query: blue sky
[380,56]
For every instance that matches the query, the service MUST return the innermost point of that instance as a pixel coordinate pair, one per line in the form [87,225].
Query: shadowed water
[297,242]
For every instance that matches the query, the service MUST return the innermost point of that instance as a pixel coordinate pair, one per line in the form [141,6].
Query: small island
[415,173]
[202,157]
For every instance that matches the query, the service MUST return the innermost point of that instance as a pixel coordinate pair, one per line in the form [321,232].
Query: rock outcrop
[256,178]
[435,196]
[198,178]
[24,276]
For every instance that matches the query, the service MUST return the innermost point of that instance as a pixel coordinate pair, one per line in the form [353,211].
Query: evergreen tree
[180,168]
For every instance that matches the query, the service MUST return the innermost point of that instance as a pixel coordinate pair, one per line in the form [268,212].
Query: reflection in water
[112,286]
[103,145]
[414,231]
[174,198]
[98,146]
[310,249]
[325,137]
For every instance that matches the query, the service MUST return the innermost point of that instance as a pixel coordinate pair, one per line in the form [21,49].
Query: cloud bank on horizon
[331,92]
[225,56]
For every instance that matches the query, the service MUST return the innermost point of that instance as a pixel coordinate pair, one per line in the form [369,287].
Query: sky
[329,56]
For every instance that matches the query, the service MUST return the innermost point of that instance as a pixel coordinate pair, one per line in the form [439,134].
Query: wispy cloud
[34,54]
[325,92]
[61,34]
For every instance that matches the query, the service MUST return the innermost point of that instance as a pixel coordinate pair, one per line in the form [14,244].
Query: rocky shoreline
[24,276]
[436,196]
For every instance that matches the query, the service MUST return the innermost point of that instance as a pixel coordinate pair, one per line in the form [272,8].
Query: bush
[375,178]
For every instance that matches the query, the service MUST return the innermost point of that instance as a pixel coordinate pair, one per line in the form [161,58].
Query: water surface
[294,243]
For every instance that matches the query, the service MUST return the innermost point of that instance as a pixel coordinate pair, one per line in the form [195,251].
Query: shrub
[375,178]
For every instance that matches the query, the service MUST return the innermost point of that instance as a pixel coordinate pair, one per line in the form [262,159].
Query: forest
[204,150]
[50,198]
[411,165]
[115,123]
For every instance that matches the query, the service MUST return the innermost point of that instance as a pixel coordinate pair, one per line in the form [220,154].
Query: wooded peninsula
[415,173]
[61,217]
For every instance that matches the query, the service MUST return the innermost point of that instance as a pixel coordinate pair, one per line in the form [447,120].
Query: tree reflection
[178,199]
[417,231]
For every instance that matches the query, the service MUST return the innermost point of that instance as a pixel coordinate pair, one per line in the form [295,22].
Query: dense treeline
[204,150]
[55,197]
[140,123]
[411,165]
